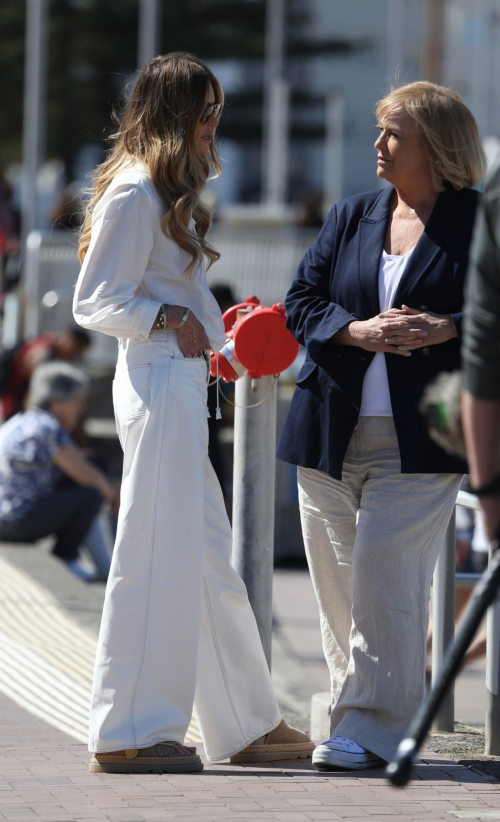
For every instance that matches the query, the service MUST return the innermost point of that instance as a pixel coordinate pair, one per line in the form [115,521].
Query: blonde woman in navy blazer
[377,303]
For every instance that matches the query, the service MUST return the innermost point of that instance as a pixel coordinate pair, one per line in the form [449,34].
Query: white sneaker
[340,752]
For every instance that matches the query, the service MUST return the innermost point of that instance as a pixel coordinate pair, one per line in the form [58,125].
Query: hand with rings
[191,336]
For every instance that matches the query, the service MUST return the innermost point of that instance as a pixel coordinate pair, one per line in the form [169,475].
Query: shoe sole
[274,756]
[123,767]
[349,763]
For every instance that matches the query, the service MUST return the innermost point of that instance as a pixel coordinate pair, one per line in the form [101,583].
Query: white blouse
[376,398]
[131,267]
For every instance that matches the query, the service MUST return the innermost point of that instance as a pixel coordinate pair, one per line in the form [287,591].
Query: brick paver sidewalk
[44,776]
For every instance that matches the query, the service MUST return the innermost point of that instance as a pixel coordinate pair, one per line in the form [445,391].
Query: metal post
[492,721]
[483,86]
[32,285]
[33,116]
[253,497]
[443,622]
[334,145]
[149,31]
[276,174]
[396,41]
[275,115]
[432,41]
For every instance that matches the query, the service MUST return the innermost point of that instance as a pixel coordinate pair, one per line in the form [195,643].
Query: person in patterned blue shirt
[47,487]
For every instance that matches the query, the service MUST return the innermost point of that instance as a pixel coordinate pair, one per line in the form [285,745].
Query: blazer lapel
[434,239]
[372,229]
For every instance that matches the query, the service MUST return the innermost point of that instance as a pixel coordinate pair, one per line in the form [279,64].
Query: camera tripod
[485,593]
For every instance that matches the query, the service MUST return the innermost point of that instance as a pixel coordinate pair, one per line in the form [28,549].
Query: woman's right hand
[192,337]
[371,335]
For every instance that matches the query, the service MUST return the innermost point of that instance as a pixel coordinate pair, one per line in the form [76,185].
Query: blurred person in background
[481,357]
[377,302]
[47,488]
[481,373]
[10,227]
[310,211]
[18,364]
[68,211]
[177,627]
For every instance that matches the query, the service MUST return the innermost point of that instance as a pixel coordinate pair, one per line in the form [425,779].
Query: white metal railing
[443,631]
[50,275]
[253,261]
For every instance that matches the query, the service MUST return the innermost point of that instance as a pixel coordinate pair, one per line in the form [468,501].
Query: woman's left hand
[439,327]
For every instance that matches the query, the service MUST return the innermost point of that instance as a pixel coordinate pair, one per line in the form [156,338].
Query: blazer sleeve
[108,294]
[311,315]
[458,319]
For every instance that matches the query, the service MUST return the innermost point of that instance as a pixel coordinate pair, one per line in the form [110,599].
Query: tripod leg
[492,719]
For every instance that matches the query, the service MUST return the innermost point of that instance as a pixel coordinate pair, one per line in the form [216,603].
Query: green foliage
[11,71]
[92,52]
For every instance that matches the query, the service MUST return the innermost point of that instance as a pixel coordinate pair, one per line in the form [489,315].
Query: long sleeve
[108,294]
[458,319]
[312,317]
[481,350]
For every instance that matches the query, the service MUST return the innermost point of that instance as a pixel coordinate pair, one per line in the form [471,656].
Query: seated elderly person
[46,486]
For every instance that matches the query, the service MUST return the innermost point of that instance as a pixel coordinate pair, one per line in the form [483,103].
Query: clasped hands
[401,331]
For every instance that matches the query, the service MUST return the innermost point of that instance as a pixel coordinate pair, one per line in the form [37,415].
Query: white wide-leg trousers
[372,542]
[177,627]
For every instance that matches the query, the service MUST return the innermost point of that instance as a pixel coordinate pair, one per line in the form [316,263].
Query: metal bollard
[443,622]
[253,497]
[492,720]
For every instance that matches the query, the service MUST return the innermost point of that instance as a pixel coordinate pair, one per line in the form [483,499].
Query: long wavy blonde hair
[157,129]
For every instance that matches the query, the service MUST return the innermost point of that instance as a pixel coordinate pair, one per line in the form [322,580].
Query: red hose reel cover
[263,344]
[229,316]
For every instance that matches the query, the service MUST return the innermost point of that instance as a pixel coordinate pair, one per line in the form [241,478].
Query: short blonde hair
[447,130]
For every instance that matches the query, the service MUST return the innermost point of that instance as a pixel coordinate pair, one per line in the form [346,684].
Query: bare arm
[70,460]
[481,419]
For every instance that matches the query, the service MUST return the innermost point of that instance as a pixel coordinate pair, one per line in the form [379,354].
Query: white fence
[253,261]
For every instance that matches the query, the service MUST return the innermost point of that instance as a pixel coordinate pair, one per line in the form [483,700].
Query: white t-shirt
[376,399]
[131,267]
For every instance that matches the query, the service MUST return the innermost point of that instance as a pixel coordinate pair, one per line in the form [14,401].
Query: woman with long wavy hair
[177,627]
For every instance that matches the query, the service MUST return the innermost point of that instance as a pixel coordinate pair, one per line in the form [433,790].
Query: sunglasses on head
[213,110]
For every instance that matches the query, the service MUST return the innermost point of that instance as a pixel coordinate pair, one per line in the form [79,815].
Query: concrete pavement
[48,625]
[44,777]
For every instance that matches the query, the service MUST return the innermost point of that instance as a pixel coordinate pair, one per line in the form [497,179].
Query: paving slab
[44,765]
[46,778]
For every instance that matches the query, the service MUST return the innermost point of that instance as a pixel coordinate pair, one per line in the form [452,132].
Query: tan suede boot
[165,757]
[282,743]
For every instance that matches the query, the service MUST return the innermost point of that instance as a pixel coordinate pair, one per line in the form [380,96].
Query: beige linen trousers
[372,541]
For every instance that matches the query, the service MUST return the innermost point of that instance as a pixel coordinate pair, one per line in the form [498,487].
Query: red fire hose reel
[258,343]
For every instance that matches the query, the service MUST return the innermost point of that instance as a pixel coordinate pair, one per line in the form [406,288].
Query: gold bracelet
[184,318]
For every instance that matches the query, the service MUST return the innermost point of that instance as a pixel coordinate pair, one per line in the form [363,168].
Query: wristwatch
[162,318]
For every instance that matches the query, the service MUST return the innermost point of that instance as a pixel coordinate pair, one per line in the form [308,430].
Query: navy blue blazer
[338,280]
